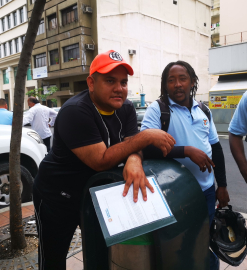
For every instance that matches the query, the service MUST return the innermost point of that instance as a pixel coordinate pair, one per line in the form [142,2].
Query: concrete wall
[233,21]
[160,32]
[10,61]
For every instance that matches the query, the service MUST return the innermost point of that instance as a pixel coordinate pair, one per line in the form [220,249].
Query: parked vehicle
[140,111]
[56,109]
[32,152]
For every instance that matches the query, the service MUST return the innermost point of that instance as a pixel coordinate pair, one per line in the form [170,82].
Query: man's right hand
[161,140]
[199,158]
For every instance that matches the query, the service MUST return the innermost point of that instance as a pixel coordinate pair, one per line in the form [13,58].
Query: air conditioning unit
[132,52]
[89,47]
[87,10]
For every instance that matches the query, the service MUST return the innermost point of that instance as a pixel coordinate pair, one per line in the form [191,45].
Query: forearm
[237,149]
[130,148]
[219,162]
[152,152]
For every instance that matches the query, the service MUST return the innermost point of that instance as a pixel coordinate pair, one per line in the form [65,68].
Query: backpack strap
[165,115]
[205,109]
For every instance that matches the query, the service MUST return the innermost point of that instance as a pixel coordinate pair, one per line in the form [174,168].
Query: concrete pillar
[1,26]
[1,84]
[7,49]
[2,50]
[25,13]
[6,23]
[11,87]
[13,46]
[20,44]
[12,19]
[18,17]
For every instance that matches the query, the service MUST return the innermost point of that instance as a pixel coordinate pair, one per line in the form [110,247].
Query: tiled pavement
[73,263]
[76,262]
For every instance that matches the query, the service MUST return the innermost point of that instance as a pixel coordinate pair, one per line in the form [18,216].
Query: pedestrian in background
[237,129]
[41,118]
[6,116]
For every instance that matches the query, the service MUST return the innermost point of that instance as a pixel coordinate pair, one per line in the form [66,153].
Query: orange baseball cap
[105,62]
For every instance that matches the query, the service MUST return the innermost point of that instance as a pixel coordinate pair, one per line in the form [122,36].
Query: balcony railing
[233,38]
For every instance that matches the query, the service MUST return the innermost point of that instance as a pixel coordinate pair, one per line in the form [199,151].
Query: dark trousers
[210,199]
[47,142]
[56,225]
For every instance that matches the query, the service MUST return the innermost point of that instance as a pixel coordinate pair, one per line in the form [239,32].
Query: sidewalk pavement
[76,262]
[73,263]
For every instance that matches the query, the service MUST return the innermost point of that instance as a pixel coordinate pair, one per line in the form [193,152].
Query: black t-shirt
[79,124]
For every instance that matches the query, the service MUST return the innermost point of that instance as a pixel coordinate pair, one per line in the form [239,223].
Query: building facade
[148,34]
[13,27]
[228,63]
[233,22]
[61,47]
[215,23]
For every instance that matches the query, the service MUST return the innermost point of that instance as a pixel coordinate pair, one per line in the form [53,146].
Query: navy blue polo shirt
[188,129]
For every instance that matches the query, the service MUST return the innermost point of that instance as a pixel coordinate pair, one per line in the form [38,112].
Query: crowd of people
[97,129]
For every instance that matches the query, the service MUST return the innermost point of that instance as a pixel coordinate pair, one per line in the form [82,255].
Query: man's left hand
[222,196]
[133,173]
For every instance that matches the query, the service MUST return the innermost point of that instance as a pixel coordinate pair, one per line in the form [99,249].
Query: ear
[90,83]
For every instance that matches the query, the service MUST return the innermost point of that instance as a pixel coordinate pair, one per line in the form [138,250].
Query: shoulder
[79,104]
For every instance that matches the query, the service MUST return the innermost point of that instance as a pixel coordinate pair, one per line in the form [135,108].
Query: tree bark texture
[16,228]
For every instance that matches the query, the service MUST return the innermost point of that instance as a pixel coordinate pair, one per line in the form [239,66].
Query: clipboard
[128,234]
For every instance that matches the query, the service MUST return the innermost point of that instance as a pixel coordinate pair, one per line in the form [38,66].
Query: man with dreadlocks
[195,135]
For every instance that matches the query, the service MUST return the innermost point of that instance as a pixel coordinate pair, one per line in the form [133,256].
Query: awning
[229,85]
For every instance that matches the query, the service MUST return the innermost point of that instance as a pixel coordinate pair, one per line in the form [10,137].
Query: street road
[237,187]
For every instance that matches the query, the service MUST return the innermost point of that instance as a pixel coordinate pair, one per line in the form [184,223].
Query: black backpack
[165,113]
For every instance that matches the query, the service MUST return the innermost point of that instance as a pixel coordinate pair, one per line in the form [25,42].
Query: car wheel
[26,184]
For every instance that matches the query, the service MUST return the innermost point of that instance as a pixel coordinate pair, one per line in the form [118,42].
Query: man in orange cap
[94,131]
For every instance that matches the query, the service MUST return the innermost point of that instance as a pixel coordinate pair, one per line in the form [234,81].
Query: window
[21,15]
[15,18]
[71,52]
[4,49]
[41,28]
[17,45]
[52,21]
[66,84]
[5,76]
[9,21]
[15,71]
[54,59]
[22,40]
[1,2]
[40,60]
[3,24]
[10,48]
[69,15]
[29,74]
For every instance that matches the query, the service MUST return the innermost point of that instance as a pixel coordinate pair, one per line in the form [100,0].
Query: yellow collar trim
[105,113]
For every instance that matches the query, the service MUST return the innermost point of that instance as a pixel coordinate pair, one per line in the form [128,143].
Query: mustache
[178,91]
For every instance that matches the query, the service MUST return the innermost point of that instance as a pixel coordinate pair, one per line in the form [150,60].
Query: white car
[33,151]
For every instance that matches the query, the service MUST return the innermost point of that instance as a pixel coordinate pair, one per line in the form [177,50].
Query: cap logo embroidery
[115,56]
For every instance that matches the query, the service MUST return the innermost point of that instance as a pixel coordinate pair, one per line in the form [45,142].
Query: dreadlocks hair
[165,73]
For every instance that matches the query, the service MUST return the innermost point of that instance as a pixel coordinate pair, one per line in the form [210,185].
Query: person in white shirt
[39,117]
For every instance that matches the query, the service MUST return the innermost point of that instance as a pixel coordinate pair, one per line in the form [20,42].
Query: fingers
[143,190]
[136,190]
[126,188]
[149,185]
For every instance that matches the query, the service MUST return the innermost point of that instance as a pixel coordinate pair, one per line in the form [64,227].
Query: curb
[8,208]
